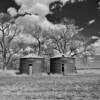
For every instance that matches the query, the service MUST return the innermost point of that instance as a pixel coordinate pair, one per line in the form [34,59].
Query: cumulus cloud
[38,9]
[31,20]
[33,4]
[97,47]
[26,38]
[12,11]
[28,20]
[45,24]
[97,44]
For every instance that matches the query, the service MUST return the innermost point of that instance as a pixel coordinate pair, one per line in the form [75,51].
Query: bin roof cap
[61,55]
[31,56]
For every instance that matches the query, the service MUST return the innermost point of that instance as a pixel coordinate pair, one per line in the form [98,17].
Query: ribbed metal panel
[57,63]
[33,65]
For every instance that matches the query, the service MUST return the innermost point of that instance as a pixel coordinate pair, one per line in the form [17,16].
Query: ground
[52,87]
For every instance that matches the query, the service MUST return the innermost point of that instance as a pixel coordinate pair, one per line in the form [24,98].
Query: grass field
[37,87]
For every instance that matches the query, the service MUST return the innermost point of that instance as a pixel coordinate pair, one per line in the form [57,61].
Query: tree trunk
[4,60]
[4,66]
[39,47]
[4,63]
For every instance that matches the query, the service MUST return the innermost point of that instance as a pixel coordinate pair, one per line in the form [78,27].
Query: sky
[5,4]
[86,13]
[82,12]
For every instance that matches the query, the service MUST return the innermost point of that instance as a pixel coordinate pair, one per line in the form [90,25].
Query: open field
[58,87]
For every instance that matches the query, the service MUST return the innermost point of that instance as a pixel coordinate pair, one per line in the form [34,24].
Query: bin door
[30,69]
[37,66]
[64,69]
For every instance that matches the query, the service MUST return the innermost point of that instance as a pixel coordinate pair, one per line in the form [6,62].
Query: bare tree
[86,48]
[39,35]
[70,40]
[62,39]
[8,31]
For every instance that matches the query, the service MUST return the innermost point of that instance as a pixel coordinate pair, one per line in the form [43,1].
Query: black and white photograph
[49,49]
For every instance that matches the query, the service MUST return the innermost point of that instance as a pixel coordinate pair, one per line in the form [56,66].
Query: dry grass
[78,87]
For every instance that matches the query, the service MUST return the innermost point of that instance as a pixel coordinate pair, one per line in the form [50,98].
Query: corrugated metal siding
[56,65]
[56,68]
[37,65]
[47,65]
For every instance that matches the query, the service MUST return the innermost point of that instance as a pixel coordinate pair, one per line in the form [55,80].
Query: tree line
[66,40]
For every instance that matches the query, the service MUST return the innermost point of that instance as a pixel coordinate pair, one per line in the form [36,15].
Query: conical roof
[31,55]
[60,55]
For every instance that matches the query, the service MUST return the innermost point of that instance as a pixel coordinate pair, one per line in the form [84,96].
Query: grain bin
[62,65]
[31,64]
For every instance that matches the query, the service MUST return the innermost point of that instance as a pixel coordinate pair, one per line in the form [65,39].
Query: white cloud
[28,20]
[72,1]
[31,20]
[38,5]
[12,11]
[97,44]
[40,9]
[31,2]
[45,24]
[99,5]
[64,1]
[21,2]
[91,21]
[26,38]
[27,5]
[95,37]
